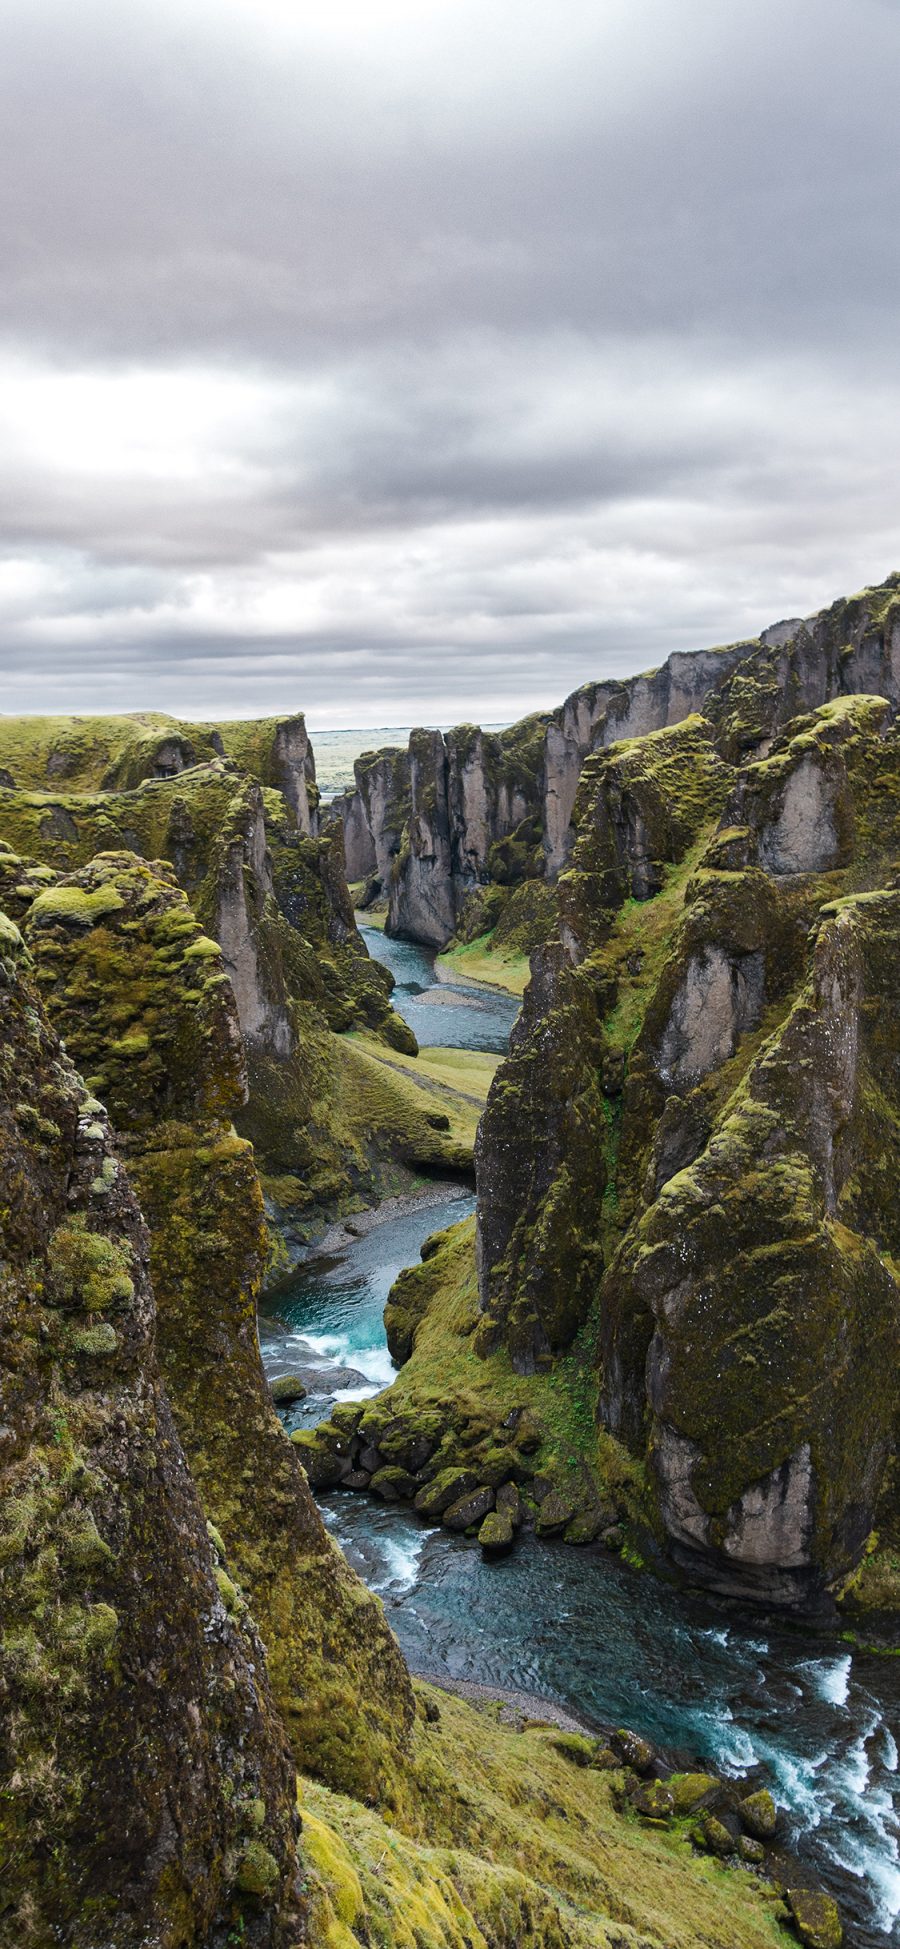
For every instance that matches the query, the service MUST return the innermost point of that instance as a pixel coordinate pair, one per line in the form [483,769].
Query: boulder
[496,1534]
[751,1851]
[323,1467]
[287,1388]
[693,1790]
[446,1488]
[583,1527]
[632,1749]
[653,1801]
[392,1484]
[816,1918]
[714,1836]
[759,1815]
[508,1502]
[555,1512]
[469,1509]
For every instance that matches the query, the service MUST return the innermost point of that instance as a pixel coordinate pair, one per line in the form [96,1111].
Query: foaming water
[584,1631]
[448,1015]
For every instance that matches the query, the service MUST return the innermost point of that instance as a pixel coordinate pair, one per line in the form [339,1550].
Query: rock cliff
[429,827]
[118,943]
[445,830]
[146,1797]
[682,1161]
[275,898]
[146,1793]
[115,754]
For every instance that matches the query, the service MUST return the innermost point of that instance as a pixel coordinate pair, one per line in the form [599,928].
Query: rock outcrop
[683,1160]
[427,828]
[116,754]
[117,943]
[276,901]
[146,1793]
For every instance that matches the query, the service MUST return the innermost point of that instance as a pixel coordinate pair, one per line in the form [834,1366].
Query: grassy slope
[480,961]
[515,1845]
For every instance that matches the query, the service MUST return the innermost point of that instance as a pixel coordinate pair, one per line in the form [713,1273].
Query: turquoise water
[582,1629]
[739,1690]
[445,1014]
[333,1308]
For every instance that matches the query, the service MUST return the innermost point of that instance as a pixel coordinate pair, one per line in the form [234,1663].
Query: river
[820,1717]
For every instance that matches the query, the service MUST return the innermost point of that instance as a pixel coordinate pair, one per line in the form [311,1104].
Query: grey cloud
[728,169]
[572,334]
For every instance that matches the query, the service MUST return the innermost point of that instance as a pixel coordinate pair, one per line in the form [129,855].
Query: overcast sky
[405,360]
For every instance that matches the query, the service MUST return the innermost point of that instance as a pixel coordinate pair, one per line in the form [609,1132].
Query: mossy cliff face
[89,754]
[373,815]
[599,715]
[276,901]
[448,828]
[749,690]
[547,1144]
[851,648]
[145,1795]
[118,954]
[145,1789]
[682,1160]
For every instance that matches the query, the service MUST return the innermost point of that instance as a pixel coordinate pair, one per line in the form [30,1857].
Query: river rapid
[701,1678]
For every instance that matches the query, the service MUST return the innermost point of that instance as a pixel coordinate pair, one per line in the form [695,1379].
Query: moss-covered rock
[680,1169]
[759,1815]
[134,964]
[816,1918]
[496,1534]
[122,1798]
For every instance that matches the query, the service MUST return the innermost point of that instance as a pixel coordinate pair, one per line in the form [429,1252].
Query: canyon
[669,1330]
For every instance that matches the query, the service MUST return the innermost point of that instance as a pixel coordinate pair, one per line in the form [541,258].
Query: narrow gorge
[532,1104]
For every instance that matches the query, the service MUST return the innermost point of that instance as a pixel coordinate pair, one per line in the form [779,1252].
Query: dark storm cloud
[540,339]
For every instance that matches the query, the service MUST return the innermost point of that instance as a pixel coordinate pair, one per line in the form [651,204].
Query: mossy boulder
[716,1838]
[469,1510]
[447,1487]
[653,1801]
[496,1534]
[393,1484]
[816,1918]
[759,1815]
[287,1388]
[692,1790]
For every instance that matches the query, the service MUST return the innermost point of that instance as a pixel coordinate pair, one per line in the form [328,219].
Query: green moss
[514,1845]
[75,906]
[87,1269]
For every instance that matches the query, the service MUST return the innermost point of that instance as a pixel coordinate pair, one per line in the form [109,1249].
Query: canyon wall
[274,898]
[146,1791]
[682,1162]
[430,829]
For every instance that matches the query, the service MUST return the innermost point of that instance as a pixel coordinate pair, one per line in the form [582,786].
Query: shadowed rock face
[602,714]
[682,1161]
[117,941]
[146,1792]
